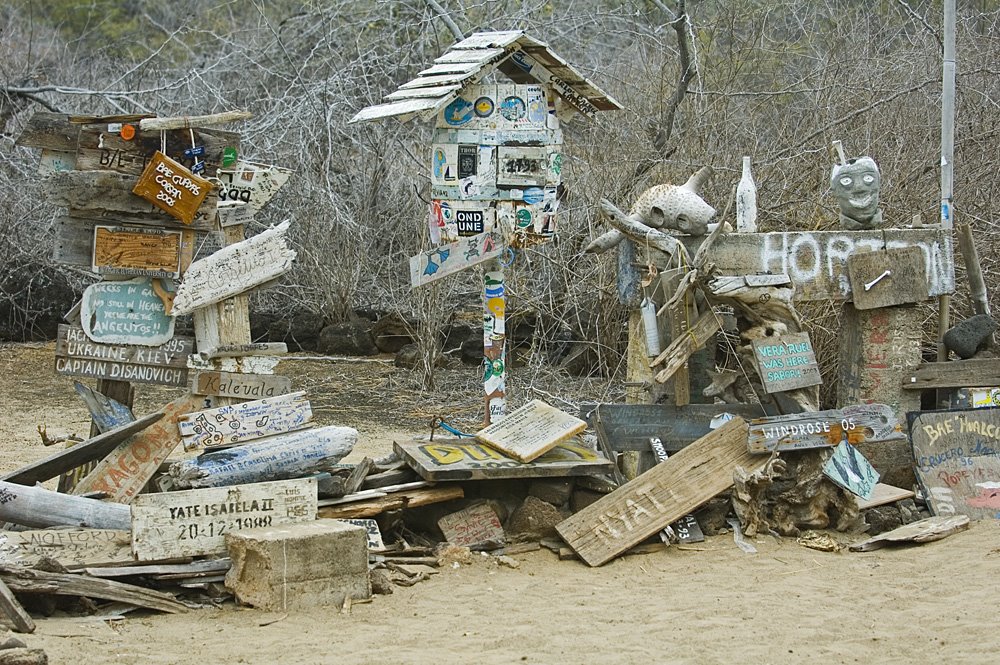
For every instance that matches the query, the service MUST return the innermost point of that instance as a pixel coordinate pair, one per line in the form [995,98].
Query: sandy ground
[709,603]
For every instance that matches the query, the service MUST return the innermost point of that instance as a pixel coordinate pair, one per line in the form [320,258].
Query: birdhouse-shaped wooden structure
[495,160]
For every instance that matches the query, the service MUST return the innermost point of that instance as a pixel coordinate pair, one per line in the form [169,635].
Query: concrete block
[302,565]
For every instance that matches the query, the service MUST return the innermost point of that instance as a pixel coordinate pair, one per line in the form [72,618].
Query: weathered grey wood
[38,507]
[906,281]
[245,421]
[374,494]
[973,269]
[924,531]
[885,494]
[186,122]
[683,347]
[240,350]
[194,522]
[240,386]
[862,423]
[531,430]
[395,501]
[28,580]
[786,362]
[433,264]
[72,342]
[467,459]
[660,496]
[126,470]
[49,131]
[162,569]
[73,548]
[956,374]
[70,458]
[284,456]
[19,619]
[99,149]
[106,413]
[235,269]
[391,477]
[358,475]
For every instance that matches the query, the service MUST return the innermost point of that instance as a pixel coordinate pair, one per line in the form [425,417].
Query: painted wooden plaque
[862,423]
[531,430]
[123,250]
[445,260]
[467,459]
[126,312]
[245,421]
[241,386]
[251,184]
[235,269]
[787,362]
[474,526]
[173,189]
[73,548]
[195,522]
[77,355]
[850,470]
[888,277]
[957,456]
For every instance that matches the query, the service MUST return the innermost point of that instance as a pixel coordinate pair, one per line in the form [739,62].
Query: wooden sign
[957,456]
[73,548]
[953,374]
[860,423]
[662,495]
[245,421]
[251,184]
[126,470]
[432,265]
[126,250]
[850,470]
[127,312]
[888,277]
[195,522]
[235,269]
[530,431]
[235,213]
[375,543]
[241,386]
[102,147]
[163,365]
[466,459]
[816,261]
[476,527]
[173,189]
[786,362]
[922,531]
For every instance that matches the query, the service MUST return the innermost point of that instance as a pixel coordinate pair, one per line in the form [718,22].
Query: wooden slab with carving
[531,430]
[134,250]
[240,386]
[246,421]
[860,423]
[77,355]
[172,188]
[957,454]
[235,269]
[662,495]
[194,522]
[73,548]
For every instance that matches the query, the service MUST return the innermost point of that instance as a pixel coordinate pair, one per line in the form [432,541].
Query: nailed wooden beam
[40,508]
[193,121]
[396,501]
[955,374]
[29,580]
[19,619]
[685,345]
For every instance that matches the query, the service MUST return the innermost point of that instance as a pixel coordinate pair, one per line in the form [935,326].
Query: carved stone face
[856,187]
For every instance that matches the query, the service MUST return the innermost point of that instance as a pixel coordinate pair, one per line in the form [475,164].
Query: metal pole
[947,156]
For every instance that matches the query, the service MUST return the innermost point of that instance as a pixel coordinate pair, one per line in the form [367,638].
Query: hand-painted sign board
[957,455]
[77,355]
[850,470]
[531,430]
[173,189]
[860,423]
[786,362]
[195,522]
[245,421]
[126,312]
[445,260]
[241,386]
[467,459]
[235,269]
[73,548]
[122,250]
[475,526]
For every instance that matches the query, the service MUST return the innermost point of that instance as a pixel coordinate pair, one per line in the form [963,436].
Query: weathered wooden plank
[101,149]
[449,68]
[439,80]
[134,250]
[246,421]
[29,580]
[403,108]
[49,131]
[437,91]
[816,261]
[888,277]
[277,457]
[476,56]
[195,522]
[70,458]
[106,413]
[660,496]
[433,264]
[488,40]
[193,121]
[240,350]
[924,531]
[631,426]
[53,161]
[72,342]
[73,548]
[957,456]
[394,501]
[37,507]
[126,470]
[466,459]
[786,362]
[251,184]
[861,423]
[531,430]
[885,494]
[169,186]
[162,570]
[684,346]
[956,374]
[475,527]
[235,269]
[19,619]
[241,386]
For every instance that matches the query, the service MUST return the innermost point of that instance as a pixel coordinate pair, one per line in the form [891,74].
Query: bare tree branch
[446,17]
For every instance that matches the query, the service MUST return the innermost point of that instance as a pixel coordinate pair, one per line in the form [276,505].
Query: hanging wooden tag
[888,277]
[172,188]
